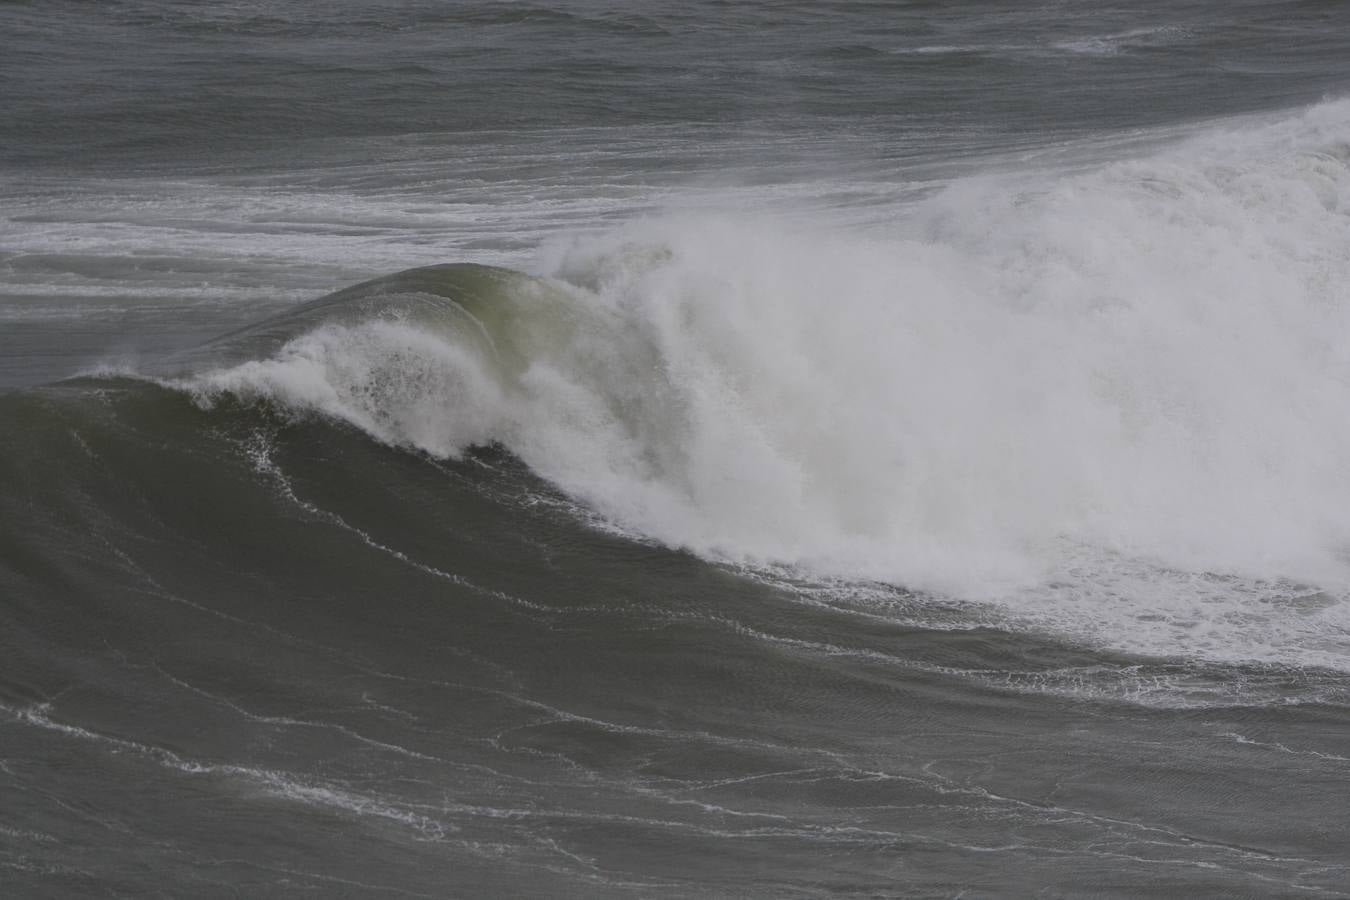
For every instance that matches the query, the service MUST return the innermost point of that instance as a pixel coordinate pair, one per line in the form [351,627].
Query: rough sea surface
[709,449]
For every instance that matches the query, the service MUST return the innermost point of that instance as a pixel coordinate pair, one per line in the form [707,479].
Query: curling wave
[1111,403]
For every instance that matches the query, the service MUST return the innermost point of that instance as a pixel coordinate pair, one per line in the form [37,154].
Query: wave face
[1109,403]
[246,649]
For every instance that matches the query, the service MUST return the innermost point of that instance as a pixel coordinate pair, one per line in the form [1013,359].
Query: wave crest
[1052,394]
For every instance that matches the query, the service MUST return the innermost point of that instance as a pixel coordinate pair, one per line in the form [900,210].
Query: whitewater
[1107,403]
[591,450]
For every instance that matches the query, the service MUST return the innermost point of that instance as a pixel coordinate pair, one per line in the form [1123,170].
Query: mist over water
[514,449]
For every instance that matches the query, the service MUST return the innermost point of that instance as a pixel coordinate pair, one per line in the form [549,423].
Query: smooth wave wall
[1112,403]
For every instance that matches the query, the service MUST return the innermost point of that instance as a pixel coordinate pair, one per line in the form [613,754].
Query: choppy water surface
[744,450]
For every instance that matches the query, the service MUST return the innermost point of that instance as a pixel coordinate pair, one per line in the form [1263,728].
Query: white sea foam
[1112,402]
[1114,44]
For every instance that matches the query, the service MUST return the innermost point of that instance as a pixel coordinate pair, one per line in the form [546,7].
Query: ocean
[765,449]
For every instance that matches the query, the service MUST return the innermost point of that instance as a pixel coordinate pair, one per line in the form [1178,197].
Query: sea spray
[1111,401]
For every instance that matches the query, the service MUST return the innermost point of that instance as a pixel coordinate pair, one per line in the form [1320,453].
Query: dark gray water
[820,450]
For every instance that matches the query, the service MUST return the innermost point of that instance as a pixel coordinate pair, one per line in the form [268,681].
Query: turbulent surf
[601,456]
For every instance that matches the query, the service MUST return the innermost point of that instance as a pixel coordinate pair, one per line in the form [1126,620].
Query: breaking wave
[1111,403]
